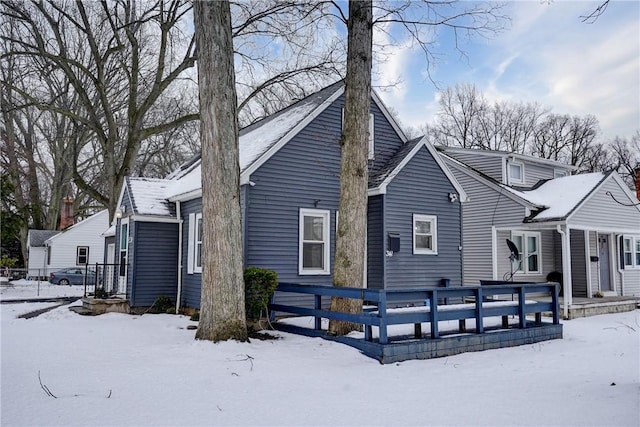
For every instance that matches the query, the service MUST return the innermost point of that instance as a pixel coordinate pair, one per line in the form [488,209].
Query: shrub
[161,304]
[259,286]
[7,262]
[195,317]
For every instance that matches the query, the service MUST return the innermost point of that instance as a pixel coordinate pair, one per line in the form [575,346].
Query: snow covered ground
[123,370]
[32,289]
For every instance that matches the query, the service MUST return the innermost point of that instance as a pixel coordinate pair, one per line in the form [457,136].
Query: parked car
[72,276]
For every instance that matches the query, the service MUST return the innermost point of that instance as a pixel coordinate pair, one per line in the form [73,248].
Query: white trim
[634,240]
[245,175]
[326,241]
[524,252]
[190,243]
[86,255]
[190,195]
[494,252]
[197,268]
[510,179]
[371,143]
[151,218]
[433,220]
[504,154]
[560,173]
[385,112]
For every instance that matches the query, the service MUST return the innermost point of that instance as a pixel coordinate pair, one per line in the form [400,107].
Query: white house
[37,251]
[79,245]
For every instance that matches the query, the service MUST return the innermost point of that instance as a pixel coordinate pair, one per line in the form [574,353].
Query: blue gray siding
[376,243]
[535,172]
[191,283]
[422,188]
[154,271]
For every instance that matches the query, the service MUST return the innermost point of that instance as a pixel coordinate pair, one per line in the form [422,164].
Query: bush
[195,317]
[7,262]
[161,304]
[259,286]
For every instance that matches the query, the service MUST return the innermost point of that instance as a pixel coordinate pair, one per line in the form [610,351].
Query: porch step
[97,306]
[83,311]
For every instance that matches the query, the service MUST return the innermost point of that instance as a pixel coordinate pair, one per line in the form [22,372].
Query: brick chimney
[66,213]
[637,182]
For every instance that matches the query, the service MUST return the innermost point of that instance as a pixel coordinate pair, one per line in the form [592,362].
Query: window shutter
[621,251]
[192,239]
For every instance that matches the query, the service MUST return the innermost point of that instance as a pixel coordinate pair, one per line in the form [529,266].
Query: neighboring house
[79,245]
[290,187]
[583,230]
[37,253]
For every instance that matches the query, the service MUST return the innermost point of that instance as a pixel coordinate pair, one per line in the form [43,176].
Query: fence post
[556,307]
[433,312]
[318,306]
[521,302]
[479,311]
[382,314]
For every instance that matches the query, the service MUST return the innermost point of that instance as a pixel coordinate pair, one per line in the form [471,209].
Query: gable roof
[261,140]
[38,237]
[559,197]
[80,224]
[147,196]
[506,154]
[379,180]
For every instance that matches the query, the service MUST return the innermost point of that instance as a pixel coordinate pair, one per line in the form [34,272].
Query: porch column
[566,269]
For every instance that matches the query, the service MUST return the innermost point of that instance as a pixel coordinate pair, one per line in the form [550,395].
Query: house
[582,230]
[290,165]
[37,253]
[81,244]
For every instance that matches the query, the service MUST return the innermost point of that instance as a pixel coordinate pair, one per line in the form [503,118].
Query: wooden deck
[480,315]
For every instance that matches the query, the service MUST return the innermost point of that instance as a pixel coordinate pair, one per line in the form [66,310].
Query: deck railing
[476,302]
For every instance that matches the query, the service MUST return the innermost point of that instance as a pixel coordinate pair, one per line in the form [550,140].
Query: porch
[460,318]
[585,307]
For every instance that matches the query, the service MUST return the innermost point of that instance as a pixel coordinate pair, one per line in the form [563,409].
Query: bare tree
[460,108]
[222,311]
[351,235]
[596,13]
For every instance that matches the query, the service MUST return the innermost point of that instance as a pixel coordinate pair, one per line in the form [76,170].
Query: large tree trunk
[222,312]
[352,224]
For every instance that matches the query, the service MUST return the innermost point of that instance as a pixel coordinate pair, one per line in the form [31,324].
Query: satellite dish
[515,253]
[514,258]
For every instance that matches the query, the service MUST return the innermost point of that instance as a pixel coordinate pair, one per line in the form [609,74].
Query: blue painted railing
[478,304]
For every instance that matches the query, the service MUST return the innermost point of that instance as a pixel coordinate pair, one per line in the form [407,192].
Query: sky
[148,370]
[545,55]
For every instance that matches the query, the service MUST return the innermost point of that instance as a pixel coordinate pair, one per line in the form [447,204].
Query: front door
[605,263]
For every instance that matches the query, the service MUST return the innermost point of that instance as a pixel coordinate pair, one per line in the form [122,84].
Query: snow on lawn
[121,370]
[32,289]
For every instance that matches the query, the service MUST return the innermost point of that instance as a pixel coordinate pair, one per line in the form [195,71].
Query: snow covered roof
[38,237]
[148,196]
[259,140]
[110,232]
[560,196]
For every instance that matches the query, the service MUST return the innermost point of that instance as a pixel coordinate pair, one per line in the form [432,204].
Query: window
[372,147]
[528,244]
[516,173]
[314,244]
[425,234]
[559,173]
[82,255]
[631,251]
[194,248]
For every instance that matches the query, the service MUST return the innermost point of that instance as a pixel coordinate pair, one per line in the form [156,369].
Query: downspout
[494,253]
[179,295]
[619,242]
[566,271]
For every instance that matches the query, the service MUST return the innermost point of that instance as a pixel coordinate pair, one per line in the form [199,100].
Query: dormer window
[516,173]
[559,173]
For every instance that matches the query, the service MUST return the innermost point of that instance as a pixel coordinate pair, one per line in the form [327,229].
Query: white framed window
[194,249]
[631,251]
[82,255]
[516,172]
[314,242]
[372,147]
[559,173]
[528,244]
[425,234]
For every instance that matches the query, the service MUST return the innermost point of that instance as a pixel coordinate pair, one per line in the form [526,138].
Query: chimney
[66,213]
[637,182]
